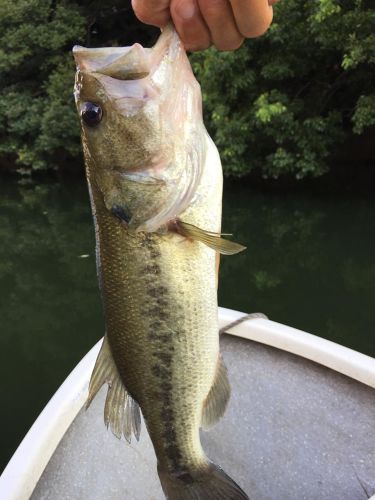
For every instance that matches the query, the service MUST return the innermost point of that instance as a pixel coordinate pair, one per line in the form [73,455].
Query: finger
[155,12]
[219,18]
[253,17]
[190,24]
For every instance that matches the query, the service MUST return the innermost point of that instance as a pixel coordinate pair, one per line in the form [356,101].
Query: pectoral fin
[217,399]
[212,240]
[121,413]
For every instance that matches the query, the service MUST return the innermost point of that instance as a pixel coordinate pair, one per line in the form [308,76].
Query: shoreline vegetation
[286,109]
[349,180]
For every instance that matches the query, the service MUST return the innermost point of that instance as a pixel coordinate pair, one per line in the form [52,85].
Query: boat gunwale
[27,464]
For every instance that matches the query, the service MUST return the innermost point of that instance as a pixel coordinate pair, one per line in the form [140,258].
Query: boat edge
[339,358]
[45,434]
[47,431]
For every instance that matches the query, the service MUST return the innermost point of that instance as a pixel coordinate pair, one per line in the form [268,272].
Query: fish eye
[91,114]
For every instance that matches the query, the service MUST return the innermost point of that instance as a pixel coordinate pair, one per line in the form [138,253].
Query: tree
[37,118]
[39,128]
[281,105]
[285,102]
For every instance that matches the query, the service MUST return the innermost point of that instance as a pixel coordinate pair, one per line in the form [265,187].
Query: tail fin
[211,483]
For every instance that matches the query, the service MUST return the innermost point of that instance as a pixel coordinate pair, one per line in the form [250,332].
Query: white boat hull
[293,429]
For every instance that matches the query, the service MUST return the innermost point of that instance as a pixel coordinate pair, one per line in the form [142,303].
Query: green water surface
[310,264]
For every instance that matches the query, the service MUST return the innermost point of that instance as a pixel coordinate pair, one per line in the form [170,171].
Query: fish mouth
[124,63]
[121,63]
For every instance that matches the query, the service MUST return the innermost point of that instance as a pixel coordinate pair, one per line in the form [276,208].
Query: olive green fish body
[155,184]
[159,295]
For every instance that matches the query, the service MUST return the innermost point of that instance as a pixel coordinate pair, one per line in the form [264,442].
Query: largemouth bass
[155,183]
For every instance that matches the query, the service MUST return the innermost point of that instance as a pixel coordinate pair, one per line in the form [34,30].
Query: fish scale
[155,184]
[186,321]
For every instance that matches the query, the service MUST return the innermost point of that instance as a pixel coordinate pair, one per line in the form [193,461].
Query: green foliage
[284,103]
[364,114]
[37,120]
[281,105]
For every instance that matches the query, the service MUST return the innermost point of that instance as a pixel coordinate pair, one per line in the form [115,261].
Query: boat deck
[294,430]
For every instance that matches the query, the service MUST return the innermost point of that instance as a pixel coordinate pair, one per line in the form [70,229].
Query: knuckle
[176,10]
[226,45]
[190,27]
[180,9]
[213,8]
[198,47]
[259,28]
[148,13]
[142,14]
[256,32]
[195,43]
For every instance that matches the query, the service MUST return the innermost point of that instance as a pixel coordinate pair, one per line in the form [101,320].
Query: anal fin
[121,412]
[217,399]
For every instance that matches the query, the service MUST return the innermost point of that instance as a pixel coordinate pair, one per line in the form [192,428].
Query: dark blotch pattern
[186,478]
[165,357]
[152,269]
[156,324]
[160,334]
[160,371]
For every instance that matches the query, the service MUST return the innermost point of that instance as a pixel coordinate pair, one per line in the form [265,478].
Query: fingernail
[187,10]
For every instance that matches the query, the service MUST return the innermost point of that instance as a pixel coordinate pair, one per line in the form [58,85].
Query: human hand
[201,23]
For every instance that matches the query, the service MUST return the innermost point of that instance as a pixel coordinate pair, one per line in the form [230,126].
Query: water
[310,264]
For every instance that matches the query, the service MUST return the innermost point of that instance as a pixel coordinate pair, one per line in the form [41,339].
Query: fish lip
[133,62]
[105,51]
[99,53]
[122,63]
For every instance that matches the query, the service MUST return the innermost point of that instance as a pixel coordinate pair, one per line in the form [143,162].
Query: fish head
[114,100]
[142,130]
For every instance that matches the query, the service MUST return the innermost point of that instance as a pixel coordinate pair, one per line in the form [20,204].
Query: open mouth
[124,63]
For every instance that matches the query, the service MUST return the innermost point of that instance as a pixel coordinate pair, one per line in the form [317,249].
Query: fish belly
[160,305]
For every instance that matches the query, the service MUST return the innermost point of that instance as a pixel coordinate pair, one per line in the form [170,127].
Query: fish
[155,183]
